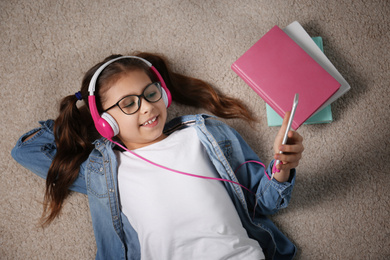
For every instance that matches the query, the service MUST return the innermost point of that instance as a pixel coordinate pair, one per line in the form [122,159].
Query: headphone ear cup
[107,126]
[165,97]
[112,124]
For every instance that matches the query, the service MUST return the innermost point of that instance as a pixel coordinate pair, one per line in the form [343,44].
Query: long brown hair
[75,132]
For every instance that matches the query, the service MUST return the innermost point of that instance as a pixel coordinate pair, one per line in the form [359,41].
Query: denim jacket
[116,238]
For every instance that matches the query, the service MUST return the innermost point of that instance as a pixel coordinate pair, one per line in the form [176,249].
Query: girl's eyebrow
[126,95]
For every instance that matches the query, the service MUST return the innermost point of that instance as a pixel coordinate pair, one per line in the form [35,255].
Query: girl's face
[144,127]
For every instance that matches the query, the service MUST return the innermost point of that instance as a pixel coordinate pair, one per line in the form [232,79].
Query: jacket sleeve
[271,196]
[36,154]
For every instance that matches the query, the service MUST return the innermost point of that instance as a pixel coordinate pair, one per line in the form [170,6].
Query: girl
[151,185]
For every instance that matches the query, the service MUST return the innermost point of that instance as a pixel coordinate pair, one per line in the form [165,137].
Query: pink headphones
[105,124]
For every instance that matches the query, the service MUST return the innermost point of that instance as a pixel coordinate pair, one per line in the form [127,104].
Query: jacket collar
[183,122]
[173,125]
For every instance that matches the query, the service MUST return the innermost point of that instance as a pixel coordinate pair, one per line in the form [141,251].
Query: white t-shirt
[178,216]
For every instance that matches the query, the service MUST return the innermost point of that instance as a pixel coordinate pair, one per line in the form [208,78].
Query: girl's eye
[151,95]
[128,103]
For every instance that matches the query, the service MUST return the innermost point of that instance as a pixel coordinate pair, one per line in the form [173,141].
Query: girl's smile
[151,123]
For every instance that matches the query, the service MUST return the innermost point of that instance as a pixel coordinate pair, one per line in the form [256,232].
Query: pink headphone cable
[200,176]
[195,175]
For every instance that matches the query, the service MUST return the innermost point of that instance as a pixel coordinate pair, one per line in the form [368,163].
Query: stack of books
[285,62]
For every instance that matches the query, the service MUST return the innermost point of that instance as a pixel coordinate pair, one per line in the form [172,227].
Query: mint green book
[323,116]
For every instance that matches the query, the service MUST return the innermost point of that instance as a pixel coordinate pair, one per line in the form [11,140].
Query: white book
[296,32]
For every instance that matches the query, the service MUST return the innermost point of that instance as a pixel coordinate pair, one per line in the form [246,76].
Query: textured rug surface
[340,206]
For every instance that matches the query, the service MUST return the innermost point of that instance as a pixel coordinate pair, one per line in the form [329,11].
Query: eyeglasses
[131,103]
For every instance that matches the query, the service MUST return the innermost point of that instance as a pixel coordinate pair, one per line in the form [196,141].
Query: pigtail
[73,131]
[198,93]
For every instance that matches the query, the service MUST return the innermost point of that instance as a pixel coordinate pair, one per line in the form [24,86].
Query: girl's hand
[292,151]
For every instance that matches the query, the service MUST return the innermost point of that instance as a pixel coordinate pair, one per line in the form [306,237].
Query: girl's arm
[36,149]
[276,194]
[271,195]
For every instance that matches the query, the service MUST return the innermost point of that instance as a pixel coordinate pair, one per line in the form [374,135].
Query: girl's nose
[145,106]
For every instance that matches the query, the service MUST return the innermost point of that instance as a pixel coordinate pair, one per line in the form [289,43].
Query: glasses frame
[157,83]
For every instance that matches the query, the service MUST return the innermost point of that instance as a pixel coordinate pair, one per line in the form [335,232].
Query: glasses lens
[152,93]
[129,104]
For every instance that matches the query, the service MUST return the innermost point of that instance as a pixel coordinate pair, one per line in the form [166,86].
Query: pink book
[276,68]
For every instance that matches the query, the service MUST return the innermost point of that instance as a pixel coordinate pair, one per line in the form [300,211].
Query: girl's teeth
[149,122]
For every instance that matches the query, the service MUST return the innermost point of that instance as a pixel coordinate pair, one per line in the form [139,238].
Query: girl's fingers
[294,137]
[287,166]
[292,148]
[288,158]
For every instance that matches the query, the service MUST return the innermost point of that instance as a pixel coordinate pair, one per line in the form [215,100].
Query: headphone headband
[92,83]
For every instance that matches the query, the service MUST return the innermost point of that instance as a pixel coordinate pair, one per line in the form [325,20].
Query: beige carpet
[340,206]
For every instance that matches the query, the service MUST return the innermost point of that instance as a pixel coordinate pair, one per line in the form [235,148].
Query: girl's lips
[151,122]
